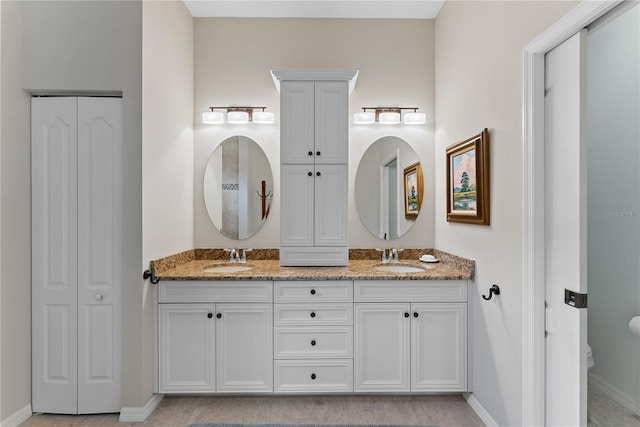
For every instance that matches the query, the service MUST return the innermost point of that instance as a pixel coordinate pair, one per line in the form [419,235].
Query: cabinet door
[187,348]
[244,347]
[331,187]
[297,122]
[382,347]
[296,212]
[439,347]
[332,115]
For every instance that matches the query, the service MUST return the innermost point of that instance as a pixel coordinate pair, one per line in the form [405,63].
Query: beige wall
[479,84]
[72,46]
[167,145]
[232,62]
[15,225]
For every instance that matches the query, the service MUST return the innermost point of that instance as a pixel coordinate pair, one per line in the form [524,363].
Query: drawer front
[314,314]
[300,342]
[313,375]
[313,291]
[410,290]
[215,291]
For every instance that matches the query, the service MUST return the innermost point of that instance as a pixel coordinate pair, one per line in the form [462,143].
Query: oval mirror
[238,187]
[388,188]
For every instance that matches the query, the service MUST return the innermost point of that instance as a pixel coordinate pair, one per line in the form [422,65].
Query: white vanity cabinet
[410,336]
[313,336]
[215,337]
[314,114]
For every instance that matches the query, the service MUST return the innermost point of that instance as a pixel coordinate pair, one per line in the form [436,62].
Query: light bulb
[415,118]
[265,117]
[364,118]
[389,118]
[212,118]
[237,117]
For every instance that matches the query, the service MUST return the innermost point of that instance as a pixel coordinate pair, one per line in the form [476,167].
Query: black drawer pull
[317,153]
[313,314]
[313,342]
[318,173]
[311,153]
[415,314]
[406,315]
[313,291]
[209,315]
[313,376]
[310,173]
[219,315]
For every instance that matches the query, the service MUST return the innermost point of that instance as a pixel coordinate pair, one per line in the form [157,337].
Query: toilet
[590,361]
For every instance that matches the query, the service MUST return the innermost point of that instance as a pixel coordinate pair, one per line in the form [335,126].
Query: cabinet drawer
[410,290]
[291,342]
[313,375]
[314,314]
[313,291]
[215,291]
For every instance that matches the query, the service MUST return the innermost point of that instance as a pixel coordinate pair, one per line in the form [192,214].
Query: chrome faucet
[393,255]
[232,254]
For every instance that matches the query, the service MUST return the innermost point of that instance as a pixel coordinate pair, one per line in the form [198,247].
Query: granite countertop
[264,265]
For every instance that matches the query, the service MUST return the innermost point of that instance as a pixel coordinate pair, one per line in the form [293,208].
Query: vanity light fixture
[238,115]
[389,116]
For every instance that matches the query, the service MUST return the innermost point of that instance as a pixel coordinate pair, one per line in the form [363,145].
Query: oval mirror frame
[238,187]
[389,171]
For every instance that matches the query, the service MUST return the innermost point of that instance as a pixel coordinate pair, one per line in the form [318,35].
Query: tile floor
[175,411]
[606,412]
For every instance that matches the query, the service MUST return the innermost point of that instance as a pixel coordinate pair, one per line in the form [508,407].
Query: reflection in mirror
[380,187]
[238,187]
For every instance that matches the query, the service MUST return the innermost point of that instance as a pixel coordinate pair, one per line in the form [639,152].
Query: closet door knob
[310,173]
[318,173]
[98,297]
[406,315]
[219,315]
[209,315]
[317,153]
[415,314]
[311,153]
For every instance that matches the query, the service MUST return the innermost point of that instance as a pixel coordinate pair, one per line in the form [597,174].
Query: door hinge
[575,299]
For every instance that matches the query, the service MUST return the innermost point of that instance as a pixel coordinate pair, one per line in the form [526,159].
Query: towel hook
[493,290]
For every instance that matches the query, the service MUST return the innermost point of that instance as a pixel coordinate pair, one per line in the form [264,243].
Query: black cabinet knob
[406,315]
[311,153]
[415,314]
[209,315]
[313,291]
[310,173]
[313,342]
[318,173]
[317,153]
[219,315]
[313,314]
[313,376]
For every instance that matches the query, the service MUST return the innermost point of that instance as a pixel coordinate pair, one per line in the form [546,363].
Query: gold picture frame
[468,180]
[412,190]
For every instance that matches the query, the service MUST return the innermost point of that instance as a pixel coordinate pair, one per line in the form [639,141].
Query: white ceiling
[414,9]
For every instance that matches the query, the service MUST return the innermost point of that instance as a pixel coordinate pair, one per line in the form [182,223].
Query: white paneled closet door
[76,238]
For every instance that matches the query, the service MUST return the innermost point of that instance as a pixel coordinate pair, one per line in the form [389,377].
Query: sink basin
[227,269]
[399,268]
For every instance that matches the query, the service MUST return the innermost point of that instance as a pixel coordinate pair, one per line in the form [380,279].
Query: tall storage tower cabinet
[314,154]
[76,157]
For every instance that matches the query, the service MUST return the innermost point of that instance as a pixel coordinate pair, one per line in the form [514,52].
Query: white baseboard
[17,418]
[484,415]
[614,393]
[137,414]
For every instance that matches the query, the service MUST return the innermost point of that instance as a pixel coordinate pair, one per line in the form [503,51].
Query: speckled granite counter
[190,265]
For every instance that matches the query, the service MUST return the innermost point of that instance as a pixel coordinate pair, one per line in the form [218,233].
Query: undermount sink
[227,268]
[399,269]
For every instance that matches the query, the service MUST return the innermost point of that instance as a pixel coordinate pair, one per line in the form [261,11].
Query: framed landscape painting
[468,180]
[412,190]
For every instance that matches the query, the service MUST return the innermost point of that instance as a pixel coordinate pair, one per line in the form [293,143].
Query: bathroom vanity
[274,329]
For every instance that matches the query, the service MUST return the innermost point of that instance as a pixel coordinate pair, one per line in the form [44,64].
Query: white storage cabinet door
[244,347]
[187,348]
[382,353]
[439,347]
[331,201]
[332,123]
[297,201]
[297,122]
